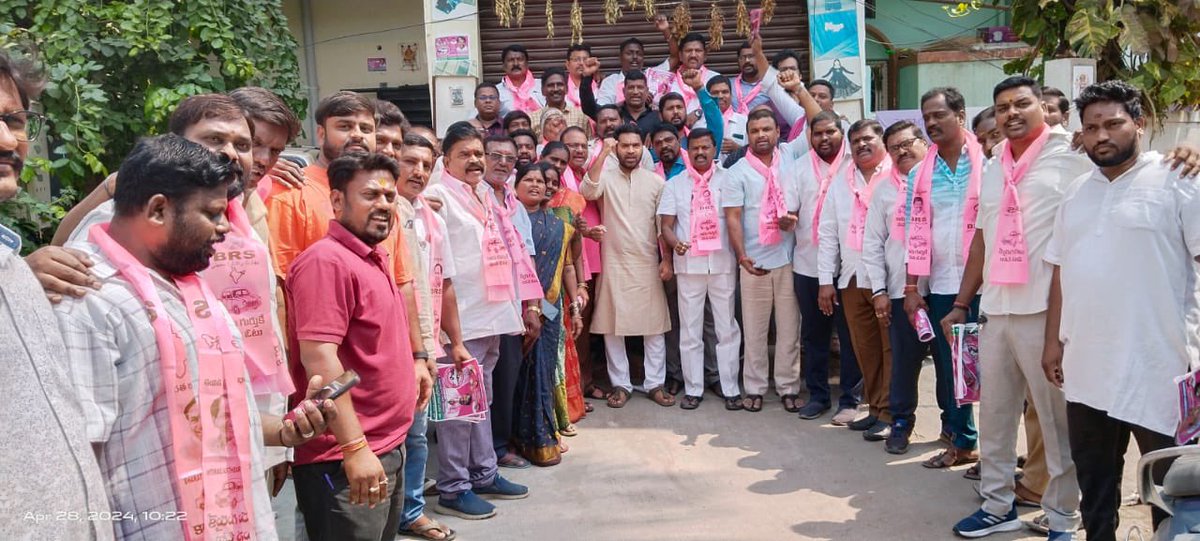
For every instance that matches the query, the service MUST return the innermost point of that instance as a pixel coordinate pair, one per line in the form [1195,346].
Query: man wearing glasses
[487,107]
[501,158]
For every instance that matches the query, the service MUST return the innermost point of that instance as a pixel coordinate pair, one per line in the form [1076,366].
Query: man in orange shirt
[300,217]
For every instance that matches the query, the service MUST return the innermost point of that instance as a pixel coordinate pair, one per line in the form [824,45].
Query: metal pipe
[310,69]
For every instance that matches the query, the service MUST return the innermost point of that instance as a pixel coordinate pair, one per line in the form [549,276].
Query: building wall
[974,79]
[912,23]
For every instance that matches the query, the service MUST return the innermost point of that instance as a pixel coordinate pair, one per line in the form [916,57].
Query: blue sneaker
[503,489]
[1060,536]
[466,505]
[982,523]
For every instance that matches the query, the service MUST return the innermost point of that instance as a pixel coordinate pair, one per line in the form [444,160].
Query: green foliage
[1154,44]
[117,68]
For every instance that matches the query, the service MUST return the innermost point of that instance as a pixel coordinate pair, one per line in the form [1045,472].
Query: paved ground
[652,473]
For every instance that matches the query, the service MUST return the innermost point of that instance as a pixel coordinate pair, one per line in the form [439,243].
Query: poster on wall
[452,100]
[1082,76]
[377,64]
[444,10]
[452,55]
[836,35]
[409,56]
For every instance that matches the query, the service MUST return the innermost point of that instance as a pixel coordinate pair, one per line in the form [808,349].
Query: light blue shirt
[744,188]
[948,192]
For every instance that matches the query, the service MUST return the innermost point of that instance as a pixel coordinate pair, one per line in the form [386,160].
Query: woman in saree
[537,428]
[570,406]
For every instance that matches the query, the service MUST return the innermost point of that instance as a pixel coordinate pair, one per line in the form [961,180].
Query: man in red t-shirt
[361,325]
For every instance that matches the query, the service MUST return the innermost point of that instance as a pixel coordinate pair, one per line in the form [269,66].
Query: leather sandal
[791,403]
[618,398]
[660,396]
[952,456]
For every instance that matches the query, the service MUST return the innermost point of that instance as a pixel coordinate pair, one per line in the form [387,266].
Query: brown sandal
[952,456]
[431,530]
[660,396]
[618,398]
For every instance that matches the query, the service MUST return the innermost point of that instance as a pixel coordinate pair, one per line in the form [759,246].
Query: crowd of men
[165,377]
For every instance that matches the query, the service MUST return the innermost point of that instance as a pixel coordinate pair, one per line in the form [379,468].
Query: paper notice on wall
[444,10]
[452,55]
[835,35]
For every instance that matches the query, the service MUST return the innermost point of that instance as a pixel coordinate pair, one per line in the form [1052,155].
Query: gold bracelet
[354,445]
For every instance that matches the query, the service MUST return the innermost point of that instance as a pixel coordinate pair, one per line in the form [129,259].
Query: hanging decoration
[743,19]
[962,9]
[504,12]
[612,11]
[716,27]
[549,19]
[520,12]
[576,23]
[681,20]
[651,9]
[768,7]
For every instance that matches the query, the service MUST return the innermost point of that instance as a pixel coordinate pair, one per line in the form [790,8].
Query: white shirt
[608,88]
[694,105]
[1126,249]
[802,198]
[883,256]
[735,128]
[743,187]
[1040,192]
[506,97]
[835,257]
[677,201]
[116,371]
[479,317]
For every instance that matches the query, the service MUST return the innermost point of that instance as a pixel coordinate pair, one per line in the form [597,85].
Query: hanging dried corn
[651,9]
[612,11]
[716,27]
[576,23]
[681,20]
[743,19]
[504,12]
[768,7]
[520,12]
[549,19]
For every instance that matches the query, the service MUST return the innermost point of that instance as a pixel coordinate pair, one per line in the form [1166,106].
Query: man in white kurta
[630,300]
[700,274]
[1125,241]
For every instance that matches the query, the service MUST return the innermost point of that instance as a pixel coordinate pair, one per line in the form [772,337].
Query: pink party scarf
[825,181]
[497,262]
[862,200]
[522,95]
[240,273]
[772,206]
[528,285]
[920,241]
[434,235]
[704,230]
[573,92]
[741,103]
[212,451]
[1010,253]
[900,182]
[688,93]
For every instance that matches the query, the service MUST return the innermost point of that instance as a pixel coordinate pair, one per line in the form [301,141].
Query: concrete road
[651,473]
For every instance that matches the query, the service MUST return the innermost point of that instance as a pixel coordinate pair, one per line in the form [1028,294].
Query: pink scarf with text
[772,206]
[920,241]
[862,200]
[825,181]
[434,235]
[1010,261]
[704,231]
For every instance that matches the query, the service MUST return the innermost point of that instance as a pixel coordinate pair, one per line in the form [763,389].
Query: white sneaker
[845,416]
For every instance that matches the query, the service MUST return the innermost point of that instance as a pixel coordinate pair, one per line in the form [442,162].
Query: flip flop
[426,531]
[791,403]
[753,402]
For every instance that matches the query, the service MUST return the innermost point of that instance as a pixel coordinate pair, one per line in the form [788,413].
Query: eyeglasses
[486,99]
[502,158]
[24,125]
[906,144]
[576,146]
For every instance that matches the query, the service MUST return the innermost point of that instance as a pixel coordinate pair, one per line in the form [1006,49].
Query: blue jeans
[958,420]
[816,332]
[908,353]
[416,446]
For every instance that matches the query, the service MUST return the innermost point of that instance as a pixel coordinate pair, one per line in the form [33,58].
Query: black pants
[323,496]
[504,387]
[1098,444]
[816,332]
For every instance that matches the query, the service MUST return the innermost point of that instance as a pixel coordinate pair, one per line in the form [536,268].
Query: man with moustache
[664,139]
[1019,198]
[791,101]
[1140,222]
[519,90]
[842,227]
[526,143]
[1058,107]
[822,93]
[947,182]
[883,257]
[608,118]
[748,87]
[45,418]
[613,89]
[672,109]
[466,454]
[731,121]
[694,231]
[630,299]
[141,368]
[577,56]
[754,200]
[487,117]
[554,88]
[816,172]
[691,55]
[634,105]
[362,325]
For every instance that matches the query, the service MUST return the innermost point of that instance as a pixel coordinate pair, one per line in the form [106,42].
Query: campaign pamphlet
[964,349]
[755,21]
[1189,407]
[458,394]
[659,81]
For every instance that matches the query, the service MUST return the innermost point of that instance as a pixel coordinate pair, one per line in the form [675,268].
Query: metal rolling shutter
[788,29]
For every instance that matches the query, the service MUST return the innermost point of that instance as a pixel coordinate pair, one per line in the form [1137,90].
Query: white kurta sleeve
[874,251]
[829,249]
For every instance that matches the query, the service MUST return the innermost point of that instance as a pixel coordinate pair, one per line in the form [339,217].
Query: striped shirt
[112,356]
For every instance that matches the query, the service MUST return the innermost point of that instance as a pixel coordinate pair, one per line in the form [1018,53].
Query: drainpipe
[310,69]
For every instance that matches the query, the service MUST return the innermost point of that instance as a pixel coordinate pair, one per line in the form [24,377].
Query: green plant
[117,68]
[1153,44]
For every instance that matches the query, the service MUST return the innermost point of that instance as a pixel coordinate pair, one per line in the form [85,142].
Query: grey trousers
[465,451]
[323,496]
